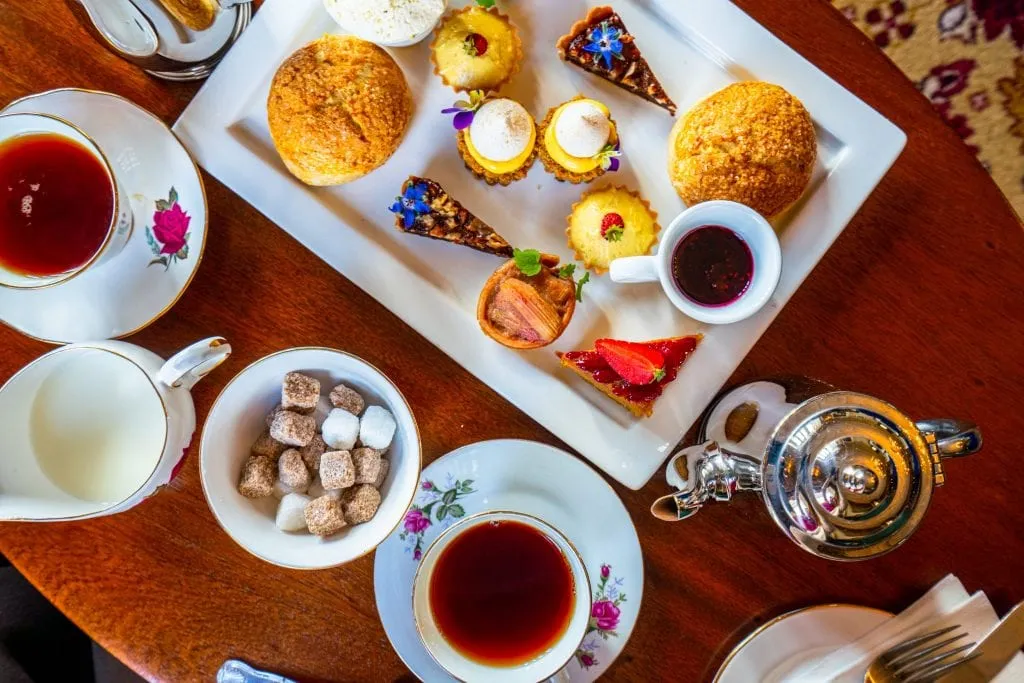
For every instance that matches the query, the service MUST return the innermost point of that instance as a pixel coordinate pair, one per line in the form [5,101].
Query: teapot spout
[703,473]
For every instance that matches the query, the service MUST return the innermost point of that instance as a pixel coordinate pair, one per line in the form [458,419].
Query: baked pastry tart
[601,45]
[425,208]
[497,138]
[579,141]
[633,374]
[610,223]
[527,311]
[476,49]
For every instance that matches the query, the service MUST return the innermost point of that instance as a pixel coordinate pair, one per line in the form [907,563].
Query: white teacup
[120,228]
[94,428]
[542,667]
[751,227]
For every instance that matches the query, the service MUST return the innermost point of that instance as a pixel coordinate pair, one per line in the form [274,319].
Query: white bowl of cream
[393,23]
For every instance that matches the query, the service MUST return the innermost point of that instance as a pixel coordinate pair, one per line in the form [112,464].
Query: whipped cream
[582,129]
[501,130]
[387,22]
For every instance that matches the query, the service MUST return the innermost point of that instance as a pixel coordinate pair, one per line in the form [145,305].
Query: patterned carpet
[967,57]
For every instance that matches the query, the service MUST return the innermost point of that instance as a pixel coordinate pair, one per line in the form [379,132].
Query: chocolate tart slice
[527,311]
[638,399]
[425,208]
[601,45]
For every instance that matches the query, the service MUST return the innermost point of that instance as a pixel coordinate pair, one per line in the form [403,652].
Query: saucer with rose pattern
[535,479]
[142,282]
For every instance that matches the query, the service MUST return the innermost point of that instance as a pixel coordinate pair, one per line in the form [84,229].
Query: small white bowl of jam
[719,262]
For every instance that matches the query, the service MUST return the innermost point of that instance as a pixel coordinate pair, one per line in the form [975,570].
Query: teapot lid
[848,476]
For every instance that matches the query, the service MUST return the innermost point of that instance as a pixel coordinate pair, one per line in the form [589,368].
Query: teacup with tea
[502,597]
[62,209]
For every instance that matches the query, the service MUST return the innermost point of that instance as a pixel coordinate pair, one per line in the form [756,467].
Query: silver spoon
[124,26]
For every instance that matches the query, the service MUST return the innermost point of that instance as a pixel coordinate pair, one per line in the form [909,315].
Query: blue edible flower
[606,42]
[411,204]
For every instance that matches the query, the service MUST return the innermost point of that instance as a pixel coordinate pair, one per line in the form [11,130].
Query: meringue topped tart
[500,143]
[580,141]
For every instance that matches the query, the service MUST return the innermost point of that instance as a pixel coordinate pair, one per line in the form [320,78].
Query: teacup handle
[194,362]
[634,269]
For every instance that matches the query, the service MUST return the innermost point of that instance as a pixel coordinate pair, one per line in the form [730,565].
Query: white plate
[239,415]
[130,291]
[778,647]
[695,48]
[529,477]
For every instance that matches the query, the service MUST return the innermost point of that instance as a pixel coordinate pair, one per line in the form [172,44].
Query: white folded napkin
[946,604]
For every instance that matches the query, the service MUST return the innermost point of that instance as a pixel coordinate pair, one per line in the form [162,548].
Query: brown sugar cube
[337,470]
[292,472]
[324,515]
[293,429]
[361,504]
[258,477]
[312,452]
[299,393]
[347,398]
[266,446]
[385,466]
[270,416]
[367,462]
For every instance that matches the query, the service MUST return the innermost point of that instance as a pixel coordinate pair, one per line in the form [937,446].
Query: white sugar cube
[291,512]
[377,428]
[341,429]
[281,489]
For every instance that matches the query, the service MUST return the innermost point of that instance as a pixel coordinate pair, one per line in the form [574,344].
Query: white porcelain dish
[237,418]
[695,48]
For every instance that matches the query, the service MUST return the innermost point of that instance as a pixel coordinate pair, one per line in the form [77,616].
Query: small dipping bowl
[747,224]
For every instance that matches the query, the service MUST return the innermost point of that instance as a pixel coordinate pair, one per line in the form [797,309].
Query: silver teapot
[844,475]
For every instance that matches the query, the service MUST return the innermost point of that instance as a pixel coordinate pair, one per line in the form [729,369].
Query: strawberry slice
[475,45]
[635,363]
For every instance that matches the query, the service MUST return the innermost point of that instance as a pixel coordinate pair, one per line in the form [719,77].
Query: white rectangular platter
[695,47]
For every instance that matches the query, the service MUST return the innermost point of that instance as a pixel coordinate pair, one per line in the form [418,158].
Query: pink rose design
[587,660]
[170,227]
[606,613]
[605,571]
[416,522]
[427,486]
[416,554]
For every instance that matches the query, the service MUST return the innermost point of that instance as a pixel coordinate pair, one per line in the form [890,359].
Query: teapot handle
[194,362]
[716,474]
[954,438]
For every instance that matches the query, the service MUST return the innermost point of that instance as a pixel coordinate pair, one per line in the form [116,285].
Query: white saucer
[525,477]
[780,646]
[130,291]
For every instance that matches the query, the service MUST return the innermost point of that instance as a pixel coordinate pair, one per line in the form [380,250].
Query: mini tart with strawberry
[476,49]
[527,311]
[633,374]
[499,144]
[610,223]
[579,141]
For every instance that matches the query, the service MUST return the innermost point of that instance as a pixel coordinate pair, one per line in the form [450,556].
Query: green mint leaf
[579,286]
[567,270]
[527,261]
[486,4]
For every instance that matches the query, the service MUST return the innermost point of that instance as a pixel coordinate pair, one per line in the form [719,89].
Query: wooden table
[921,301]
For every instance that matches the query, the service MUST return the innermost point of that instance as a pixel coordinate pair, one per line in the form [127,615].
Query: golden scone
[750,142]
[198,15]
[338,109]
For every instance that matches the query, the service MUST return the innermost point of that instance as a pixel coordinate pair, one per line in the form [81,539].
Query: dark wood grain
[920,301]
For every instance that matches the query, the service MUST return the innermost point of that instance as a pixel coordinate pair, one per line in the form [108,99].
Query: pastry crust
[338,108]
[512,68]
[565,308]
[578,254]
[750,142]
[595,16]
[493,178]
[553,167]
[197,15]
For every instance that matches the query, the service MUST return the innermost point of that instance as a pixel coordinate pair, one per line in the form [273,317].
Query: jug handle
[954,438]
[194,362]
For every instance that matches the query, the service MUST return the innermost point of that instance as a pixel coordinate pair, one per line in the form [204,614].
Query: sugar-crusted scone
[338,108]
[750,142]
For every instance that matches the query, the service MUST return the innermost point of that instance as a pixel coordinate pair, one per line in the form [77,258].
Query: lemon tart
[610,223]
[497,138]
[476,49]
[579,141]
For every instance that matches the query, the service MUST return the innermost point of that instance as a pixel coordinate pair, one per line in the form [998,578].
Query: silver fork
[920,659]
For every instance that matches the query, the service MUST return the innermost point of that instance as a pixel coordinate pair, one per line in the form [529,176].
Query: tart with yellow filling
[497,138]
[610,223]
[528,302]
[578,141]
[476,49]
